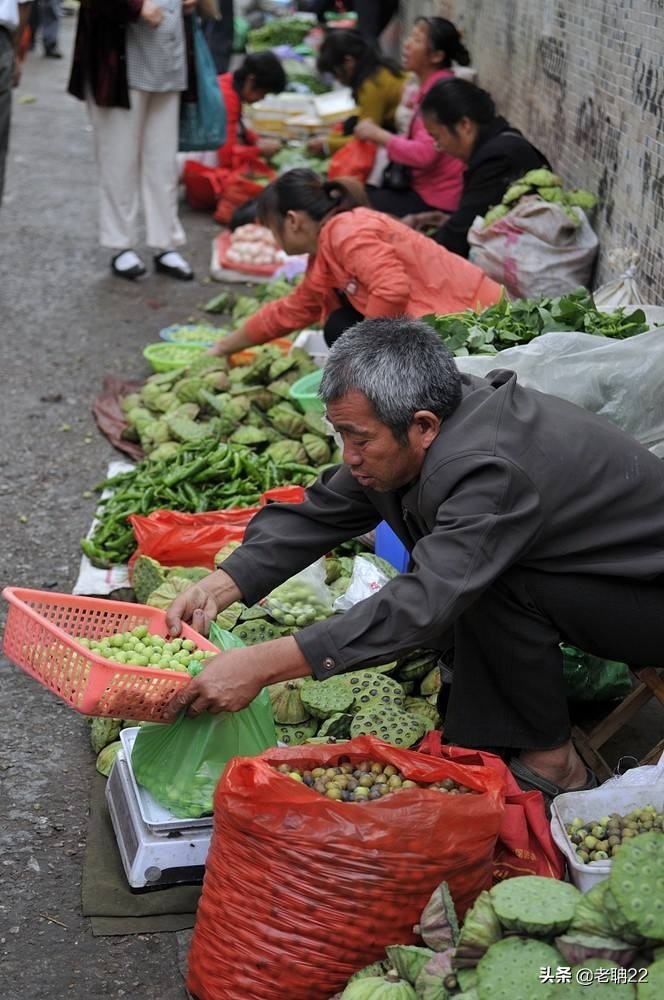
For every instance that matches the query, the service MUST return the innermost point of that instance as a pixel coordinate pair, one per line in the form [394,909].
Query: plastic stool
[390,547]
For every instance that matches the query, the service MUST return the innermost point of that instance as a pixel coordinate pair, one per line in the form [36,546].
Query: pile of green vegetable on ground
[517,936]
[279,31]
[507,324]
[241,307]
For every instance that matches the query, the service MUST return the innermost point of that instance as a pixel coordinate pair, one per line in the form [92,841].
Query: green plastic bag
[180,765]
[590,678]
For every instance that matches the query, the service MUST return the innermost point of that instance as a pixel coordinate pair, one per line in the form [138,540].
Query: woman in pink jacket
[362,264]
[431,179]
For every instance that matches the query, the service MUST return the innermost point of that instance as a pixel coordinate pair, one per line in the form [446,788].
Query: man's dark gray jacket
[515,477]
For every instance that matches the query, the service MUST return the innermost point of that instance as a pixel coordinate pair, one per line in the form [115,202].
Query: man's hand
[268,147]
[189,6]
[425,220]
[152,13]
[370,132]
[201,603]
[232,680]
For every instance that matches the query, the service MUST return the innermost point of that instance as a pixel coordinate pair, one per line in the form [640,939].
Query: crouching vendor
[529,521]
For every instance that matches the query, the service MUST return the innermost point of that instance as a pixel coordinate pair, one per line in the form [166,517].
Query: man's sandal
[529,780]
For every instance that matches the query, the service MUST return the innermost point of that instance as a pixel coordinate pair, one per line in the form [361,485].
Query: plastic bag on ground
[535,249]
[623,291]
[620,379]
[301,891]
[180,765]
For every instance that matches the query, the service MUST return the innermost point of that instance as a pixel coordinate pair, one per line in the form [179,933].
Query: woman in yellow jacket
[375,80]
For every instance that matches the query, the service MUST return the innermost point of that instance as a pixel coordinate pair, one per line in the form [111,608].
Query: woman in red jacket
[261,73]
[362,264]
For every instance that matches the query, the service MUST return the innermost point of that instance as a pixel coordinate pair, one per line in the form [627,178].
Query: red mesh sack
[203,185]
[525,845]
[300,891]
[355,159]
[240,186]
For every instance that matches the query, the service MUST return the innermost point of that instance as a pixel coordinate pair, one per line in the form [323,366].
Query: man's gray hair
[400,365]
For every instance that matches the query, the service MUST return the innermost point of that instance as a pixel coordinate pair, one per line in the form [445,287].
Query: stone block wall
[584,80]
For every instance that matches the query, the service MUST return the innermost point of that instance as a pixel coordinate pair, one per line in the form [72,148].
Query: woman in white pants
[130,64]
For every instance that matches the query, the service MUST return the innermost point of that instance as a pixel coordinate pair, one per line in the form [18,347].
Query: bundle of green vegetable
[530,925]
[548,187]
[302,77]
[200,476]
[507,324]
[292,156]
[280,31]
[242,306]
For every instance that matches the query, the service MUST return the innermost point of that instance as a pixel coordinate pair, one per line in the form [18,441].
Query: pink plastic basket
[39,638]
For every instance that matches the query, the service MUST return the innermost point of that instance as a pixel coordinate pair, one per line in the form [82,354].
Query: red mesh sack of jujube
[300,890]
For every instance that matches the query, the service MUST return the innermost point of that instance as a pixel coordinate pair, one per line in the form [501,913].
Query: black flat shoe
[130,273]
[181,271]
[52,54]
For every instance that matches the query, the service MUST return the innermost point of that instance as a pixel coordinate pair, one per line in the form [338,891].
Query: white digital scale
[157,848]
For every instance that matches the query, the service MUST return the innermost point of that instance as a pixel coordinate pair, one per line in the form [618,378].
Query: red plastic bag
[525,845]
[300,891]
[240,186]
[355,159]
[177,539]
[203,185]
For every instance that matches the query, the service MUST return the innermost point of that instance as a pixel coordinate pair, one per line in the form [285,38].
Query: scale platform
[157,848]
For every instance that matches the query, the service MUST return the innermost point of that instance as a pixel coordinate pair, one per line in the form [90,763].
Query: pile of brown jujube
[365,781]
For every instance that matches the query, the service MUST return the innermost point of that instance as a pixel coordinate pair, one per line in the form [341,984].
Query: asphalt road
[65,322]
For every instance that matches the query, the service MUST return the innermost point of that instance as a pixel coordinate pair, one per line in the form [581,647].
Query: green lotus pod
[188,410]
[164,452]
[227,618]
[467,978]
[481,928]
[261,398]
[552,194]
[621,925]
[576,948]
[511,968]
[186,431]
[140,417]
[103,732]
[166,593]
[386,668]
[409,960]
[297,734]
[287,420]
[424,711]
[224,552]
[286,451]
[582,199]
[495,213]
[154,433]
[438,925]
[150,391]
[432,683]
[281,365]
[336,727]
[323,699]
[636,883]
[590,916]
[332,569]
[388,987]
[532,904]
[437,974]
[541,178]
[653,987]
[287,706]
[282,386]
[514,192]
[147,575]
[236,376]
[375,969]
[416,665]
[130,402]
[254,632]
[389,724]
[317,450]
[599,969]
[191,573]
[204,363]
[188,389]
[249,436]
[373,690]
[305,363]
[315,424]
[106,758]
[163,402]
[216,381]
[339,586]
[237,408]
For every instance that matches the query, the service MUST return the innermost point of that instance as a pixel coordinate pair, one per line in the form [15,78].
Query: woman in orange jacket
[362,264]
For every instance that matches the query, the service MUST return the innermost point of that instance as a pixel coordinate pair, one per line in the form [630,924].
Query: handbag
[203,121]
[396,177]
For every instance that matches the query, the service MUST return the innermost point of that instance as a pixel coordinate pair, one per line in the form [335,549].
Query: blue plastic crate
[389,546]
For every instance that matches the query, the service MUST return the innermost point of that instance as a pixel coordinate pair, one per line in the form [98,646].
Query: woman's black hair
[451,100]
[339,43]
[265,68]
[302,190]
[444,37]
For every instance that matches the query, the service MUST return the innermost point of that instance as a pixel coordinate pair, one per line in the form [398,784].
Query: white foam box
[592,805]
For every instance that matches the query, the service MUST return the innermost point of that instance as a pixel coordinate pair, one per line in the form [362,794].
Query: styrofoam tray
[591,805]
[156,817]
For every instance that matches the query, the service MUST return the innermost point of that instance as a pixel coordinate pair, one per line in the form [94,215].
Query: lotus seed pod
[287,707]
[375,969]
[389,724]
[409,960]
[432,683]
[389,987]
[323,699]
[590,916]
[372,689]
[295,735]
[433,981]
[481,928]
[511,969]
[438,926]
[576,948]
[532,904]
[336,727]
[637,884]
